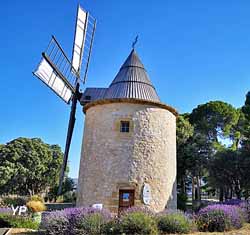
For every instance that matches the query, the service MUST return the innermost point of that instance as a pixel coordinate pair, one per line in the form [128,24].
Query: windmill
[65,76]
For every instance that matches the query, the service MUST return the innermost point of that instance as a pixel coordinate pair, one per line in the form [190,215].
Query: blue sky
[194,51]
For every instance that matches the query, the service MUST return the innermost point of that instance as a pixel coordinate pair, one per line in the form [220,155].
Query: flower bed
[133,221]
[136,220]
[220,218]
[75,221]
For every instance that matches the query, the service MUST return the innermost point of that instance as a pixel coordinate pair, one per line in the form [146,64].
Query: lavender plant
[75,221]
[174,221]
[220,218]
[142,209]
[5,210]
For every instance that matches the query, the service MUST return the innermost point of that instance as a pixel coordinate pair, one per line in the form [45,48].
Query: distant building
[129,148]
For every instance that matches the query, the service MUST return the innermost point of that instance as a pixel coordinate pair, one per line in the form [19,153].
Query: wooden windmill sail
[65,76]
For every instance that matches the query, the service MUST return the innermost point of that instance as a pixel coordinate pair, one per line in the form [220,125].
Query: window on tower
[124,126]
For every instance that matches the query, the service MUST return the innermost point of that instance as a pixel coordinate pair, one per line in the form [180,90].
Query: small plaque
[98,206]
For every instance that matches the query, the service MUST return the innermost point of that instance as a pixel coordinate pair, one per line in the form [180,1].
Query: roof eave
[130,100]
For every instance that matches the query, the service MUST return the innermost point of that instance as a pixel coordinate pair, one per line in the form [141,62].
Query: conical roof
[132,81]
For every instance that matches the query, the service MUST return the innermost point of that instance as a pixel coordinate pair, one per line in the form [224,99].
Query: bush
[111,227]
[90,224]
[15,201]
[212,221]
[142,209]
[55,223]
[182,201]
[69,197]
[219,218]
[36,198]
[233,202]
[18,222]
[5,210]
[174,222]
[245,207]
[36,206]
[75,221]
[138,223]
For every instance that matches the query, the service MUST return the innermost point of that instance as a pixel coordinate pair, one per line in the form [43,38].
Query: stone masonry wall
[111,160]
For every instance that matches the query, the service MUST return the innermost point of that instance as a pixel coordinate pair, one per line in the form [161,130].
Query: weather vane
[135,41]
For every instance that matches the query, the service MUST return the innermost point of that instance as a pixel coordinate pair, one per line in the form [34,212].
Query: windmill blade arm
[79,39]
[68,140]
[90,50]
[58,72]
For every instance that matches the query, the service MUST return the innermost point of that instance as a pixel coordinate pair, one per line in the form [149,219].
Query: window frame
[125,126]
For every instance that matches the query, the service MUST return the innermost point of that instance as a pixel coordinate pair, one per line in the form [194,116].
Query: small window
[124,126]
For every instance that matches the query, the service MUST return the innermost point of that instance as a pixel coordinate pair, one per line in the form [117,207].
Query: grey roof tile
[131,81]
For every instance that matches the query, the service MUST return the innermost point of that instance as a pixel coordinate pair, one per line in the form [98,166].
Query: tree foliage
[215,119]
[213,144]
[29,166]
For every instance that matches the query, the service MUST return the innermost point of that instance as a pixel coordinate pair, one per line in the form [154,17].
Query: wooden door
[126,199]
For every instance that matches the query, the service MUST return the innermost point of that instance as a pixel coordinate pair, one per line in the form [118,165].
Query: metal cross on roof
[135,41]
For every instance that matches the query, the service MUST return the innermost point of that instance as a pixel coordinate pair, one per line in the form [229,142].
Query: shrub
[245,207]
[69,197]
[75,221]
[233,202]
[36,198]
[143,209]
[90,224]
[18,222]
[111,227]
[5,210]
[138,223]
[220,218]
[36,206]
[212,221]
[182,201]
[15,201]
[174,222]
[55,223]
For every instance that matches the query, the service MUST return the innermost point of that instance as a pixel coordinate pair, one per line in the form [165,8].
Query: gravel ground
[243,231]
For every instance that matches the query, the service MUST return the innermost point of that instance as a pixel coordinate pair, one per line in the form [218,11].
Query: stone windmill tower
[129,147]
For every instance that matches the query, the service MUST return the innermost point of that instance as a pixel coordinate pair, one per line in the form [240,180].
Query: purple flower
[220,217]
[142,209]
[233,202]
[69,220]
[245,207]
[5,210]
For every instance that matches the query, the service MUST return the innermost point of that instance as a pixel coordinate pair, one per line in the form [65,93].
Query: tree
[29,166]
[213,122]
[215,119]
[229,170]
[213,144]
[184,130]
[67,187]
[244,124]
